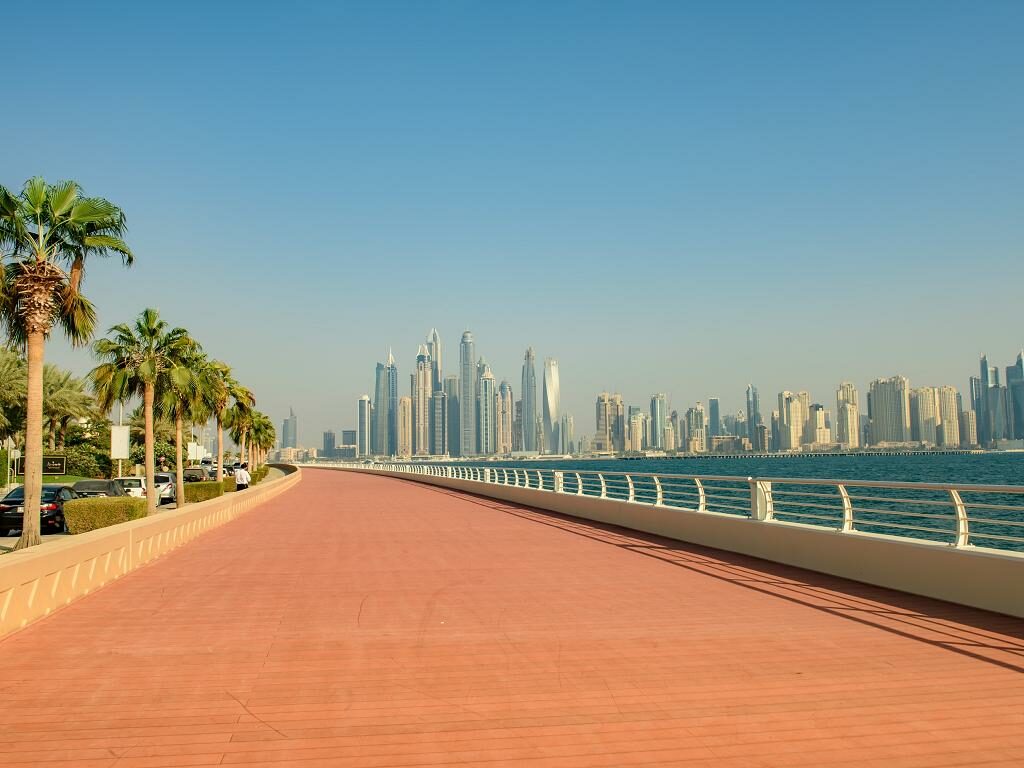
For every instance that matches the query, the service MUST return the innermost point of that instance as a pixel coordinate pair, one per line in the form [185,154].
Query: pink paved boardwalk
[366,622]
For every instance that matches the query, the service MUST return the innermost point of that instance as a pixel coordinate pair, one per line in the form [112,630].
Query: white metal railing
[961,515]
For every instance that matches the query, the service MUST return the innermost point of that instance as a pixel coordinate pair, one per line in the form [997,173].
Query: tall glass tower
[434,350]
[467,395]
[391,379]
[363,419]
[753,415]
[529,397]
[658,420]
[551,398]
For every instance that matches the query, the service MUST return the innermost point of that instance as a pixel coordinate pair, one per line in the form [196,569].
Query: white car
[133,486]
[136,486]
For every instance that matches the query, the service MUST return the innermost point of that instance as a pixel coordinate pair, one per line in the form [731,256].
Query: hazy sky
[671,197]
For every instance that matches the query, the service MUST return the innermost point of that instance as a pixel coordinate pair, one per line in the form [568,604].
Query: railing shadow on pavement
[985,636]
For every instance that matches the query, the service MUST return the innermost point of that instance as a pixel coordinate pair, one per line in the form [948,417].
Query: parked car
[97,488]
[164,487]
[133,486]
[51,510]
[194,474]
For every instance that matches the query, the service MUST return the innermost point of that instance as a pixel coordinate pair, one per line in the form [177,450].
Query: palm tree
[134,360]
[219,388]
[163,428]
[261,438]
[179,398]
[64,399]
[12,393]
[238,420]
[43,229]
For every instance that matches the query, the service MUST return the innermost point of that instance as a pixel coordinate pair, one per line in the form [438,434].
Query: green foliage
[229,484]
[138,455]
[260,474]
[84,515]
[208,489]
[4,467]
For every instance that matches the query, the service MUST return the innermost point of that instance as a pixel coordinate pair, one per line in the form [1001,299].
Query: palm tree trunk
[149,395]
[53,438]
[62,435]
[220,450]
[241,449]
[33,441]
[179,475]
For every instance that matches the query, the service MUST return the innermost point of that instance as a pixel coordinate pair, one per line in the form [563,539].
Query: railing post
[963,532]
[487,475]
[540,480]
[579,484]
[604,485]
[632,490]
[660,499]
[702,499]
[559,481]
[847,509]
[515,476]
[526,478]
[761,500]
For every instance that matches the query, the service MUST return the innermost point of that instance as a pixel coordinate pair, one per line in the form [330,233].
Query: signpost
[119,445]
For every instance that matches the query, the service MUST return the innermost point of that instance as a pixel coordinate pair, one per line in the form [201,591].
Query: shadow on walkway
[988,637]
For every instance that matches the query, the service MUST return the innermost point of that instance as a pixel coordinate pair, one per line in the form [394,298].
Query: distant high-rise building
[847,416]
[948,434]
[330,441]
[610,433]
[817,428]
[290,431]
[439,421]
[968,429]
[551,396]
[505,417]
[364,419]
[981,402]
[924,415]
[714,417]
[528,394]
[658,421]
[467,395]
[517,426]
[566,435]
[889,410]
[793,415]
[379,431]
[775,438]
[404,428]
[753,414]
[452,388]
[488,426]
[422,402]
[434,350]
[635,441]
[696,429]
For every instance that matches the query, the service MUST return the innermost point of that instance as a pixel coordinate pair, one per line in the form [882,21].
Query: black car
[93,488]
[51,510]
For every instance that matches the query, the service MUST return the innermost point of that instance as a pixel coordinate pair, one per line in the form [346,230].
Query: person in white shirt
[242,478]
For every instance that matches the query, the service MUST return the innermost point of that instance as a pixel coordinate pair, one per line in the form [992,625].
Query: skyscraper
[330,440]
[487,429]
[434,350]
[817,428]
[1015,387]
[467,395]
[528,394]
[505,416]
[610,434]
[551,403]
[404,428]
[454,431]
[439,423]
[714,418]
[924,415]
[981,402]
[889,410]
[658,419]
[696,430]
[566,434]
[793,414]
[968,428]
[422,403]
[391,378]
[364,420]
[290,431]
[753,416]
[949,418]
[847,416]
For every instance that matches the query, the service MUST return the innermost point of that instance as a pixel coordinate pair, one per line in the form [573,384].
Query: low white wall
[977,577]
[37,581]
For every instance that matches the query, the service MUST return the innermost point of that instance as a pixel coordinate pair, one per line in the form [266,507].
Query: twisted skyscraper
[550,404]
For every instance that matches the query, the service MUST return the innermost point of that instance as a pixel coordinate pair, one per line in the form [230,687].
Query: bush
[84,515]
[229,484]
[260,474]
[202,491]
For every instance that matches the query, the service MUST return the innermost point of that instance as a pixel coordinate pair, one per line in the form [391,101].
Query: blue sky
[665,196]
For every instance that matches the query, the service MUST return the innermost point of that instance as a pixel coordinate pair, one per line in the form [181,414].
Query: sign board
[52,465]
[119,442]
[195,452]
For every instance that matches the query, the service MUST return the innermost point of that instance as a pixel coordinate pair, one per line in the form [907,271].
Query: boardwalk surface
[366,622]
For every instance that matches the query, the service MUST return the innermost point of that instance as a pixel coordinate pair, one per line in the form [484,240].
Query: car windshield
[158,479]
[91,485]
[132,482]
[18,494]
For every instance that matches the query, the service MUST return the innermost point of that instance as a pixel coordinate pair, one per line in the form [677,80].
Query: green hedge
[202,491]
[84,515]
[229,484]
[260,474]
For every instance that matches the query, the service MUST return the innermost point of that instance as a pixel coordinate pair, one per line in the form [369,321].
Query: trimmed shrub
[260,474]
[228,484]
[208,489]
[84,515]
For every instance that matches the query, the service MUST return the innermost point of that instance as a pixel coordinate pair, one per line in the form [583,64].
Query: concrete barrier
[37,581]
[975,576]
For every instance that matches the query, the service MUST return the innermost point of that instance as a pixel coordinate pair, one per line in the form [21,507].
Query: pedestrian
[242,478]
